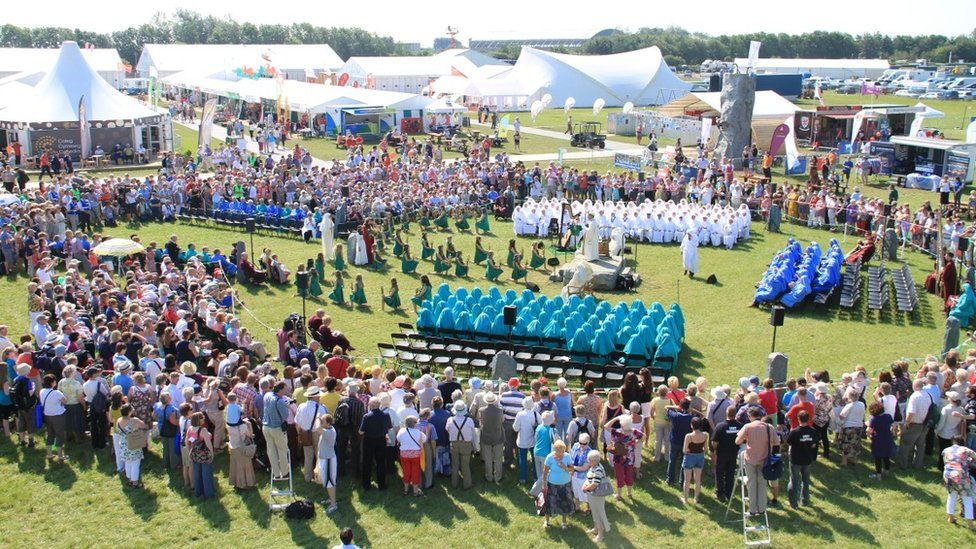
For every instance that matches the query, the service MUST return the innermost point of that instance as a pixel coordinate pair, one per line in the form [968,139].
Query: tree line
[681,47]
[188,27]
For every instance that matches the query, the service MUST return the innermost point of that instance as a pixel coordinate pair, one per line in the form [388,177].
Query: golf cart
[588,135]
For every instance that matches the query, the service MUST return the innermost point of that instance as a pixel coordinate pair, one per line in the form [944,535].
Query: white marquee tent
[48,116]
[640,77]
[294,60]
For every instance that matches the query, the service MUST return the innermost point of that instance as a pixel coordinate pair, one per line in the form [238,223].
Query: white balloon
[598,105]
[546,99]
[535,109]
[628,108]
[569,104]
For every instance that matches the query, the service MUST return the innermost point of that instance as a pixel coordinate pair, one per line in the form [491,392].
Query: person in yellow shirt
[768,166]
[330,399]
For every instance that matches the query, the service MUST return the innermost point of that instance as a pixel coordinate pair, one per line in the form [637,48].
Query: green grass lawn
[725,340]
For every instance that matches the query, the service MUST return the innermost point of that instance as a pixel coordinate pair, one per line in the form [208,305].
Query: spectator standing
[758,438]
[491,419]
[882,439]
[802,440]
[725,453]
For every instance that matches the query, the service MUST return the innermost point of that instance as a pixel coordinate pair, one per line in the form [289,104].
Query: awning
[837,116]
[366,111]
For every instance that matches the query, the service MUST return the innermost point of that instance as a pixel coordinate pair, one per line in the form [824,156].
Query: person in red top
[803,404]
[767,398]
[675,394]
[337,364]
[45,163]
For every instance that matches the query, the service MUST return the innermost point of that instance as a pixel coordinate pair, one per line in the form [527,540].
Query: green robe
[425,252]
[314,288]
[518,272]
[358,295]
[536,261]
[320,270]
[460,269]
[492,272]
[419,300]
[511,258]
[393,300]
[338,263]
[462,224]
[336,295]
[441,266]
[408,266]
[378,263]
[442,221]
[482,224]
[480,255]
[397,248]
[425,222]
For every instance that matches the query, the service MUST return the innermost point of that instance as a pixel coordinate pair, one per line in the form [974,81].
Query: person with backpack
[200,442]
[168,420]
[54,411]
[96,393]
[348,415]
[579,426]
[24,401]
[130,444]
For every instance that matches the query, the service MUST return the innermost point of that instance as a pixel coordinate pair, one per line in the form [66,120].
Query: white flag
[971,132]
[792,154]
[754,53]
[706,130]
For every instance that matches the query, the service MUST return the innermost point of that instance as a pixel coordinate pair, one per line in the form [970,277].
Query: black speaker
[509,315]
[249,225]
[532,286]
[640,176]
[776,316]
[301,280]
[715,83]
[712,279]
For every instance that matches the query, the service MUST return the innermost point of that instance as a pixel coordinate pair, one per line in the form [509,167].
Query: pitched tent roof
[171,58]
[14,60]
[447,62]
[639,76]
[769,104]
[56,97]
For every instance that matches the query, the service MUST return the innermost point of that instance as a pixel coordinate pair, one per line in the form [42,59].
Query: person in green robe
[320,268]
[392,299]
[441,264]
[462,222]
[492,272]
[449,249]
[407,263]
[512,252]
[423,293]
[460,267]
[336,295]
[398,244]
[518,271]
[538,255]
[425,219]
[314,288]
[358,295]
[338,263]
[479,251]
[482,224]
[378,263]
[405,222]
[442,221]
[426,250]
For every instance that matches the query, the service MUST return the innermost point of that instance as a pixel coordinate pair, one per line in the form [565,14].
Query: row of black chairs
[412,349]
[269,224]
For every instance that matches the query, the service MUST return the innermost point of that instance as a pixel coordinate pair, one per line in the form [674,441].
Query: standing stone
[735,122]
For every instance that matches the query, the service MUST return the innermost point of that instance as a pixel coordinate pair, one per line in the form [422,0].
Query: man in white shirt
[308,412]
[4,341]
[41,330]
[913,436]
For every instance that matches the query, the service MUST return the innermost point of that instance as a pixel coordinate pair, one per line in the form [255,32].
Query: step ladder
[755,529]
[282,491]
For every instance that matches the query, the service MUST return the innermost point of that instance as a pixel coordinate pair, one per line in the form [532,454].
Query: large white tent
[48,116]
[27,65]
[640,77]
[294,60]
[830,68]
[414,74]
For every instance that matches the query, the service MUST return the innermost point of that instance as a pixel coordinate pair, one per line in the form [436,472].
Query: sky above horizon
[501,19]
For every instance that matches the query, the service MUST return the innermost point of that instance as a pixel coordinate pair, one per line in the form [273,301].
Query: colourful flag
[779,137]
[870,88]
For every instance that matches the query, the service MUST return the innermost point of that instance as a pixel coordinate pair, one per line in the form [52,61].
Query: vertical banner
[706,130]
[754,53]
[971,132]
[792,154]
[206,122]
[84,128]
[779,137]
[856,126]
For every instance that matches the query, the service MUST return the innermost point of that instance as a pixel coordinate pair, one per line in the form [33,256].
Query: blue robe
[965,307]
[446,320]
[425,319]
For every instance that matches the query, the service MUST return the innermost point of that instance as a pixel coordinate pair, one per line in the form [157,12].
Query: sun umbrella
[7,199]
[118,247]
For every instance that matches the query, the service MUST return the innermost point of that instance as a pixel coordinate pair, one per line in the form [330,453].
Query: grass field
[725,339]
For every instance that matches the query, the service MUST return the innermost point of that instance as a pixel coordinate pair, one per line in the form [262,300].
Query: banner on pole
[754,53]
[206,122]
[84,128]
[779,137]
[706,130]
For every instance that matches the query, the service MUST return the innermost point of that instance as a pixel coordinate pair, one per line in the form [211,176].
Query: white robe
[689,252]
[352,248]
[616,243]
[326,227]
[591,243]
[361,256]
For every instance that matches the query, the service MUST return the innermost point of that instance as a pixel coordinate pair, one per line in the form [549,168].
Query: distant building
[410,47]
[294,60]
[28,65]
[828,68]
[538,43]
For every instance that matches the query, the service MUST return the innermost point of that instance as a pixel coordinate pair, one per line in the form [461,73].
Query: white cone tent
[640,77]
[48,116]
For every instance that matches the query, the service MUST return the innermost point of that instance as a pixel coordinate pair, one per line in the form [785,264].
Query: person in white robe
[689,254]
[669,228]
[728,234]
[616,243]
[716,232]
[326,227]
[581,276]
[657,236]
[362,257]
[352,249]
[590,247]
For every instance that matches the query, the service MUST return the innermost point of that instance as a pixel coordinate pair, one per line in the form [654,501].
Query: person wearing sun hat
[491,418]
[305,419]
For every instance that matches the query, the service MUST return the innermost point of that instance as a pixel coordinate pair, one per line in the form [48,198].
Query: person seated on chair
[253,274]
[279,270]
